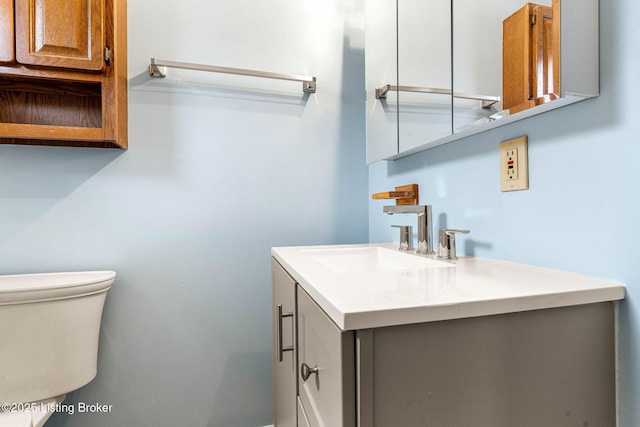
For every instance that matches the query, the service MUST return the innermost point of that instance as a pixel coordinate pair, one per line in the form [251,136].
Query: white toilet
[49,329]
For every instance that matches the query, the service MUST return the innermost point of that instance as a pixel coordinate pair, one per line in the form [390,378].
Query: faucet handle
[447,245]
[406,237]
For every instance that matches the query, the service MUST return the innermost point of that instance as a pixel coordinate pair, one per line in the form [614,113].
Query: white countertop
[469,287]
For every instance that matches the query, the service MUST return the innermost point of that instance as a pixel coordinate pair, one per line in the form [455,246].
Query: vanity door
[326,379]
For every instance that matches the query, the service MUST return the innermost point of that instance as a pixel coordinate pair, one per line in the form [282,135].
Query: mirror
[463,66]
[508,49]
[381,68]
[423,100]
[408,83]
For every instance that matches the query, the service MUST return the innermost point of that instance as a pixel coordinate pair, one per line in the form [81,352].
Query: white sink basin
[370,259]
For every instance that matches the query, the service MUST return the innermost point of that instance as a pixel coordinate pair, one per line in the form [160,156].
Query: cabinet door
[328,395]
[60,33]
[408,46]
[283,360]
[7,43]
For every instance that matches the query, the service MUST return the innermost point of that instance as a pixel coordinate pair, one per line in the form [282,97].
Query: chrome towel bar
[487,100]
[157,68]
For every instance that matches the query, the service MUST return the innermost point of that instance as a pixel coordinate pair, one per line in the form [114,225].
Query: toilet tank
[49,330]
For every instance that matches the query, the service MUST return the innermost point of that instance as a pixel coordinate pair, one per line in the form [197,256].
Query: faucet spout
[425,245]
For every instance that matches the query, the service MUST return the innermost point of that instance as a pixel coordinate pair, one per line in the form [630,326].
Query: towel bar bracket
[309,87]
[157,71]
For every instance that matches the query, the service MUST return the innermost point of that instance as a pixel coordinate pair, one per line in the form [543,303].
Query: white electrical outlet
[514,167]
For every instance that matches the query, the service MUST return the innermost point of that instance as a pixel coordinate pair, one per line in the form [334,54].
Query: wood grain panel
[60,33]
[540,51]
[50,102]
[50,87]
[60,143]
[115,89]
[555,35]
[531,57]
[61,133]
[7,42]
[515,59]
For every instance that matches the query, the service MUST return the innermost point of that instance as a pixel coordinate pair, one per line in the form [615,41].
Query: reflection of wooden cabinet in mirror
[531,57]
[7,43]
[63,73]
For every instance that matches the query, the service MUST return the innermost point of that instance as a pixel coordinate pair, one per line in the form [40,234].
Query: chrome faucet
[425,245]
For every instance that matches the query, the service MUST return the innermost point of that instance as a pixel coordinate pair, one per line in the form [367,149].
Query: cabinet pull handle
[306,371]
[281,349]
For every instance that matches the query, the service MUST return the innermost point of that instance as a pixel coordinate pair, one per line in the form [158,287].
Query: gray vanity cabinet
[308,337]
[284,361]
[553,367]
[549,367]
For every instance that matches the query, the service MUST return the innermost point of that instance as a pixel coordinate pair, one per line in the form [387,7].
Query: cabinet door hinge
[532,20]
[107,55]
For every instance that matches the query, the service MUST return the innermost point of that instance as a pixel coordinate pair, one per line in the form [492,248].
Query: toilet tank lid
[23,288]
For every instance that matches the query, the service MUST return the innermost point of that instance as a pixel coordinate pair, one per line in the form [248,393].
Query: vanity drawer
[326,359]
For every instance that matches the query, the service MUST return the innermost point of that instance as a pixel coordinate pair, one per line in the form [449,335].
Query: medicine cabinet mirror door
[408,75]
[424,72]
[533,56]
[381,67]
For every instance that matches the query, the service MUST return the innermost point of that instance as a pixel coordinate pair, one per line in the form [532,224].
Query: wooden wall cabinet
[63,73]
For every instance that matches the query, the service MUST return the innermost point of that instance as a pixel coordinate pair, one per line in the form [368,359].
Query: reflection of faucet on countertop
[406,197]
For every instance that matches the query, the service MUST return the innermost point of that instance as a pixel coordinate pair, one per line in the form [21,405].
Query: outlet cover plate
[514,165]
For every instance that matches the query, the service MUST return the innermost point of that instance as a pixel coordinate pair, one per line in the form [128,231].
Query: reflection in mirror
[424,71]
[509,48]
[408,75]
[453,68]
[381,68]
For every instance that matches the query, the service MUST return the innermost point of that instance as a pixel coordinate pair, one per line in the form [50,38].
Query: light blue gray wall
[219,170]
[217,174]
[582,209]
